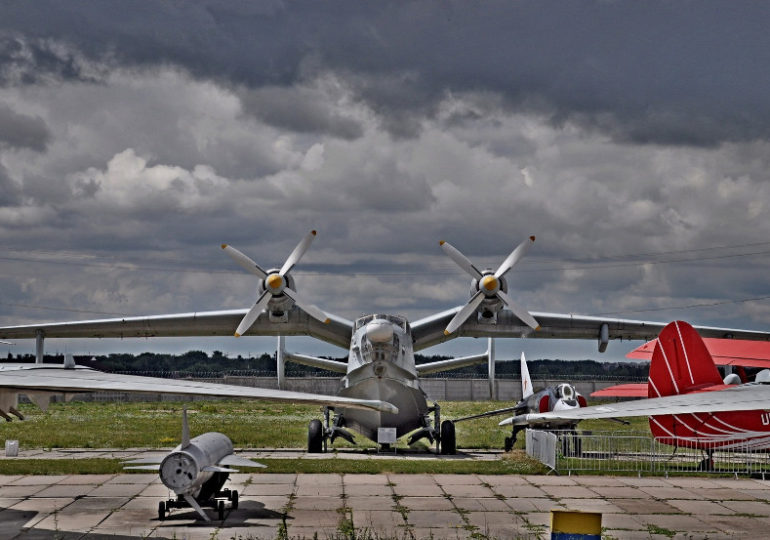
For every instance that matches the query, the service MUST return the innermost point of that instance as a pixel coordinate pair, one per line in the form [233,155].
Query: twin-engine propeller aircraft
[689,404]
[557,397]
[196,471]
[381,347]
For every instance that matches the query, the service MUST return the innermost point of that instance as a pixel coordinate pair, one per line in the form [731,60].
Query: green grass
[249,424]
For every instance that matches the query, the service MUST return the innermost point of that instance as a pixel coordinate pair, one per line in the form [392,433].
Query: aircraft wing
[47,378]
[497,412]
[725,352]
[430,330]
[746,397]
[207,323]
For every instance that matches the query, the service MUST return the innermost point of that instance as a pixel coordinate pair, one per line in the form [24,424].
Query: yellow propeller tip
[237,334]
[447,332]
[538,328]
[441,242]
[313,232]
[224,246]
[532,238]
[327,321]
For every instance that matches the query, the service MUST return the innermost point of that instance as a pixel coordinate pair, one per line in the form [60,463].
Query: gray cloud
[22,131]
[641,73]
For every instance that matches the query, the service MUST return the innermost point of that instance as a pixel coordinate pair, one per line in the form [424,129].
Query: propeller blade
[461,260]
[519,311]
[514,257]
[253,313]
[310,309]
[297,254]
[244,261]
[464,313]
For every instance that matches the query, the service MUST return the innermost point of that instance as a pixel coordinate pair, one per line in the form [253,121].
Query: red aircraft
[689,404]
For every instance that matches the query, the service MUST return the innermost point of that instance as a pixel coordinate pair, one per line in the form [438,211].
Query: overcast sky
[632,138]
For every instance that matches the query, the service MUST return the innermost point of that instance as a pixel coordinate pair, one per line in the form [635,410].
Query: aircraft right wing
[430,330]
[47,378]
[746,397]
[207,323]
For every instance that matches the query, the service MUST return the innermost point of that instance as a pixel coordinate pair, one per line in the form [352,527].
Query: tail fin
[526,380]
[680,362]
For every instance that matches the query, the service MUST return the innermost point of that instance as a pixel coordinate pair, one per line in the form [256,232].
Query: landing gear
[510,441]
[707,464]
[448,442]
[315,437]
[508,445]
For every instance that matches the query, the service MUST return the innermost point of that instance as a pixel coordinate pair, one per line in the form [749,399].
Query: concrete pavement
[385,506]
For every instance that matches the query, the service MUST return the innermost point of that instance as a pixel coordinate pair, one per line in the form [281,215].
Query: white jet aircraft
[381,347]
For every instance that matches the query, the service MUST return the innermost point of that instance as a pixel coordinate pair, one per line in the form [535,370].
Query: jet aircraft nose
[379,331]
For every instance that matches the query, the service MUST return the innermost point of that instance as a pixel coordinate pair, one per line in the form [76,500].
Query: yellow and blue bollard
[570,525]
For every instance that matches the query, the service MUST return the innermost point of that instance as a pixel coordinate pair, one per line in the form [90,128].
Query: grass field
[249,424]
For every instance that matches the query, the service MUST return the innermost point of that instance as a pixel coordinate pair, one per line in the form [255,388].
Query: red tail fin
[681,362]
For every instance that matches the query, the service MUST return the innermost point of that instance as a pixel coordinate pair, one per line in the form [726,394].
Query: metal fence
[607,453]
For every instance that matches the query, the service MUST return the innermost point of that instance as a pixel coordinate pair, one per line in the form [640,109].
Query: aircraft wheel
[161,510]
[448,441]
[508,446]
[221,510]
[234,499]
[315,437]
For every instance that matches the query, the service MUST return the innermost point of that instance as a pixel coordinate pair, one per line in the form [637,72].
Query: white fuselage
[381,366]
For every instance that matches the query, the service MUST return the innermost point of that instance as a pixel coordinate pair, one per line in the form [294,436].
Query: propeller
[488,285]
[274,283]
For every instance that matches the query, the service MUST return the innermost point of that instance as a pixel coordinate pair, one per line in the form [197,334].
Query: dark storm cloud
[655,72]
[9,191]
[22,131]
[297,110]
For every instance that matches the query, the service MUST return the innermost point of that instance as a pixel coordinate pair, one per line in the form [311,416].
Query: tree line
[218,363]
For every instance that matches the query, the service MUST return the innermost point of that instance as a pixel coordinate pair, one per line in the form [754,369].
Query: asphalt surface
[382,506]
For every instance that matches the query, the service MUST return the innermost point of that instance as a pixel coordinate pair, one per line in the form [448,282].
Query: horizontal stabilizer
[452,363]
[320,363]
[237,461]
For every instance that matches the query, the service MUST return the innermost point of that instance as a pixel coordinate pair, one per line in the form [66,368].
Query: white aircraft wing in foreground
[40,381]
[746,397]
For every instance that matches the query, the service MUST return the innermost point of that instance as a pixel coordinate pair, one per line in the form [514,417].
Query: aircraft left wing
[337,331]
[746,397]
[430,330]
[34,378]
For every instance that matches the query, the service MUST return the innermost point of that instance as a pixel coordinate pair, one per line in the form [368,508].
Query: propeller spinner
[274,283]
[488,285]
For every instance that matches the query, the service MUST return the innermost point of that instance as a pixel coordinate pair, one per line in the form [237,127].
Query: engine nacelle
[490,305]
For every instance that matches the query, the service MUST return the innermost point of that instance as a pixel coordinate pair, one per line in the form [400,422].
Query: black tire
[161,510]
[508,446]
[221,510]
[234,499]
[315,437]
[448,441]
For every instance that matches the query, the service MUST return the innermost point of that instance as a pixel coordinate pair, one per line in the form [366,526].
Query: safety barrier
[607,453]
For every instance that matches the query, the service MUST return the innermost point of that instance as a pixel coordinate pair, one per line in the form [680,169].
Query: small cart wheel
[234,499]
[221,510]
[161,510]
